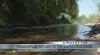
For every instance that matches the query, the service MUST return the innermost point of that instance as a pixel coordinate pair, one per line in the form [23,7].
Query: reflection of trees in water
[66,31]
[60,31]
[37,35]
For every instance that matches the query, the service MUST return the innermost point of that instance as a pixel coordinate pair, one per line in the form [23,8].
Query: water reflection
[81,30]
[40,34]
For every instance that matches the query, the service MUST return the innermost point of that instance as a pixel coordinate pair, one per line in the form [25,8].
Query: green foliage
[98,6]
[38,12]
[93,18]
[80,20]
[1,19]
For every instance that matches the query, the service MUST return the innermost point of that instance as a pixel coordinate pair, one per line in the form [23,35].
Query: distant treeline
[37,12]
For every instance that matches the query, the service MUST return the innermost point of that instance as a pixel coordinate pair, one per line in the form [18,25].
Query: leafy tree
[37,12]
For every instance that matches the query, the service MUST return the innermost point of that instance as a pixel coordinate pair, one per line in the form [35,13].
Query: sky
[86,7]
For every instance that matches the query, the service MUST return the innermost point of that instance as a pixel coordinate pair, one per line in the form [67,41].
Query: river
[41,34]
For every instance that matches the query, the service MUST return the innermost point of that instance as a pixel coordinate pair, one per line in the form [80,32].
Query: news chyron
[51,46]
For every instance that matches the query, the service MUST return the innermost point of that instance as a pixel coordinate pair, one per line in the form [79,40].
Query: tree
[37,12]
[97,2]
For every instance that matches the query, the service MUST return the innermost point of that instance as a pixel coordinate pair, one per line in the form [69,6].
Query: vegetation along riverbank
[28,14]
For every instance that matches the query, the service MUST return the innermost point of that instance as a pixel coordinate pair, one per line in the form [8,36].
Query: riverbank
[40,35]
[94,34]
[91,24]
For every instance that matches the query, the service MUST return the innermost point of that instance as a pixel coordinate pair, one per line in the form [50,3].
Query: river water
[43,33]
[40,34]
